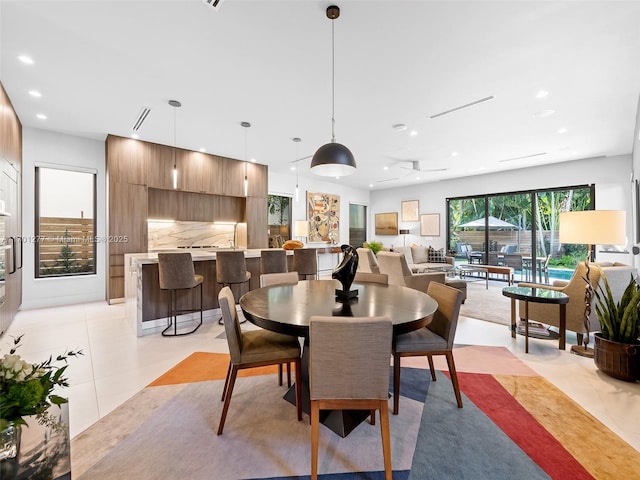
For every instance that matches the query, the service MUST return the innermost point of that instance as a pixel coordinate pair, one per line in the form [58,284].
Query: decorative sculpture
[346,272]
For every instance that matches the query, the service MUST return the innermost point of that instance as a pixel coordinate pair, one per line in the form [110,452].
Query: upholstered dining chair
[288,278]
[176,272]
[253,348]
[366,277]
[348,374]
[434,339]
[273,261]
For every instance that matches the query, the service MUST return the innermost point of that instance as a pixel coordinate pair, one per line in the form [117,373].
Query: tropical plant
[373,245]
[619,322]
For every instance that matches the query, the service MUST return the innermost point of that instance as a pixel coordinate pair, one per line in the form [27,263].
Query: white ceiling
[97,63]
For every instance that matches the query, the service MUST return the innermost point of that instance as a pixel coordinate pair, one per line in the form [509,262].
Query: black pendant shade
[333,160]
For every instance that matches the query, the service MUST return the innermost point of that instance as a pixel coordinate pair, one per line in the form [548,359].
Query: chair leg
[315,430]
[227,400]
[396,383]
[454,378]
[289,374]
[280,374]
[298,365]
[226,382]
[386,438]
[432,368]
[372,417]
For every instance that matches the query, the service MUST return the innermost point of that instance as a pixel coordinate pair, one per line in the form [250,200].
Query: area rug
[514,424]
[487,304]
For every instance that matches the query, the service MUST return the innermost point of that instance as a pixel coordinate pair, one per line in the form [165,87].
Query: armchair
[367,261]
[617,276]
[394,265]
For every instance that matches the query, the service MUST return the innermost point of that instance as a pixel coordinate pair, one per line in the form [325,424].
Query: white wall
[611,176]
[281,184]
[54,148]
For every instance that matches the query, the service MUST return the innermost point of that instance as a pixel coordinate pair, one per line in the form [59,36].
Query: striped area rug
[514,424]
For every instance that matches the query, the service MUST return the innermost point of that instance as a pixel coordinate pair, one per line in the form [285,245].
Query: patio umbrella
[492,221]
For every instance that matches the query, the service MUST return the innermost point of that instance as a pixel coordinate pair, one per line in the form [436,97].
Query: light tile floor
[117,364]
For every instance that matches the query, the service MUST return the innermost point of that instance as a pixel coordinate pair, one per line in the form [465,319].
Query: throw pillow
[420,254]
[436,256]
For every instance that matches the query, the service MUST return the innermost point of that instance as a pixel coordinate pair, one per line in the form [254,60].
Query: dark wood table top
[287,308]
[539,295]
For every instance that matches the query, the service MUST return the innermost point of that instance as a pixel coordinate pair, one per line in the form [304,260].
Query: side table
[537,295]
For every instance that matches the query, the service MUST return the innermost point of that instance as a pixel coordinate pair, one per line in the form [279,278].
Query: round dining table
[287,308]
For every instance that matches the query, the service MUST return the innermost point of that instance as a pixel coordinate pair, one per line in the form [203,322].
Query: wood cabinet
[210,188]
[11,195]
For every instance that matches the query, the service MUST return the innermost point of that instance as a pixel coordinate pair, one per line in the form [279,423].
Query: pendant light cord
[333,83]
[175,141]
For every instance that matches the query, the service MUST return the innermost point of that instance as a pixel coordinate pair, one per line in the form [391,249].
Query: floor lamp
[591,227]
[404,233]
[302,229]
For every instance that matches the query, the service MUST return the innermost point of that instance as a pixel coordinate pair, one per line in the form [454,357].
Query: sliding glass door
[518,229]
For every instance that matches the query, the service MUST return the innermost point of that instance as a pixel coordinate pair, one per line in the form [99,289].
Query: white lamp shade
[302,228]
[594,227]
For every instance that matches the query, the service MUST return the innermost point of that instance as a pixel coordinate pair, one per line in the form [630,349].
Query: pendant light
[296,140]
[175,104]
[333,159]
[246,126]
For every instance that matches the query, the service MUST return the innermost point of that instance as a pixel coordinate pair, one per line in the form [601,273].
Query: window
[279,219]
[65,222]
[357,225]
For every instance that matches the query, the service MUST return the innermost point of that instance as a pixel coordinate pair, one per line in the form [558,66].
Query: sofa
[422,259]
[618,276]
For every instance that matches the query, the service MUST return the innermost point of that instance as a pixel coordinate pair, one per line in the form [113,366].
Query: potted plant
[373,245]
[617,346]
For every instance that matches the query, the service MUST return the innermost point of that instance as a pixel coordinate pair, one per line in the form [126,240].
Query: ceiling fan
[413,168]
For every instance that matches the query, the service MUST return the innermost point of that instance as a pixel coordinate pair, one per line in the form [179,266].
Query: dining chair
[366,277]
[514,260]
[254,348]
[350,375]
[434,339]
[176,272]
[288,278]
[305,261]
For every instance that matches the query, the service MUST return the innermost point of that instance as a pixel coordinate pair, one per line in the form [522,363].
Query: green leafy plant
[27,389]
[619,321]
[373,245]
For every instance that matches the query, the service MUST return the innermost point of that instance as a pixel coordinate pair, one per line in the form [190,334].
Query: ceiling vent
[215,4]
[491,97]
[141,118]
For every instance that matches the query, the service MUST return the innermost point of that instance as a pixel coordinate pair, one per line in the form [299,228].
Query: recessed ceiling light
[399,127]
[385,167]
[293,168]
[454,154]
[413,133]
[544,113]
[202,149]
[135,136]
[562,130]
[371,185]
[542,94]
[35,93]
[253,160]
[41,116]
[417,178]
[25,59]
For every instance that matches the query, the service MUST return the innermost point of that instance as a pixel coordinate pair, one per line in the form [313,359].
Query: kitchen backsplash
[176,234]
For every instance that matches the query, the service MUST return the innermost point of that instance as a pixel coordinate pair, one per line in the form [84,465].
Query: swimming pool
[560,273]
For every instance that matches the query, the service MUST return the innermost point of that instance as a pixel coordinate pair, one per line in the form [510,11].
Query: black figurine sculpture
[346,272]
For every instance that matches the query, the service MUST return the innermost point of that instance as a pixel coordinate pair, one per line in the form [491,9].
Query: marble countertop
[198,254]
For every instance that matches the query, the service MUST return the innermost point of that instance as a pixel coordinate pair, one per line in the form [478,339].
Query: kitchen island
[146,303]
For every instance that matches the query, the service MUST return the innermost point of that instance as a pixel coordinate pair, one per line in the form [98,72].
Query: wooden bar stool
[176,272]
[231,269]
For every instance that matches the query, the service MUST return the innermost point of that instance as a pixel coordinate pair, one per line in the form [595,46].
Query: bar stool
[273,261]
[231,268]
[306,262]
[176,272]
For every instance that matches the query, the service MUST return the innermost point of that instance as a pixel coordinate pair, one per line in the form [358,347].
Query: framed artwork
[323,214]
[430,225]
[410,211]
[387,223]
